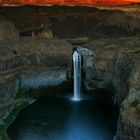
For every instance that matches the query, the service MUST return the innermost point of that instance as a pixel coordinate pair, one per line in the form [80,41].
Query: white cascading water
[77,75]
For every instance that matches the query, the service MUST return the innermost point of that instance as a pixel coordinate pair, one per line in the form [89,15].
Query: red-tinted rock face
[67,1]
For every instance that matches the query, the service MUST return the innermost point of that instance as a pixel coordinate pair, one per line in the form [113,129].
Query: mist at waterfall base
[54,118]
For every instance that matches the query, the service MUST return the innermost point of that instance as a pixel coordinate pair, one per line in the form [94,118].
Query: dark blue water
[62,119]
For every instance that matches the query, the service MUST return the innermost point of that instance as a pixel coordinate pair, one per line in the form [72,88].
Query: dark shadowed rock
[8,31]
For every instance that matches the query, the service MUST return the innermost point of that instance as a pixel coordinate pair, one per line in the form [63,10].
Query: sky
[68,1]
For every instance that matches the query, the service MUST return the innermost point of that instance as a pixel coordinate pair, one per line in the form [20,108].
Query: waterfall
[77,75]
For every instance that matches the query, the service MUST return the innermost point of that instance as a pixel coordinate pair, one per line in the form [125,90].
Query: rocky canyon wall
[40,62]
[71,22]
[119,66]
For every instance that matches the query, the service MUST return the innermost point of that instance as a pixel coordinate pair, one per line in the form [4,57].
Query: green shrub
[3,133]
[135,103]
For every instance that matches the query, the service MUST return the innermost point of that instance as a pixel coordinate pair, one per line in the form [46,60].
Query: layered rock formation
[29,64]
[66,22]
